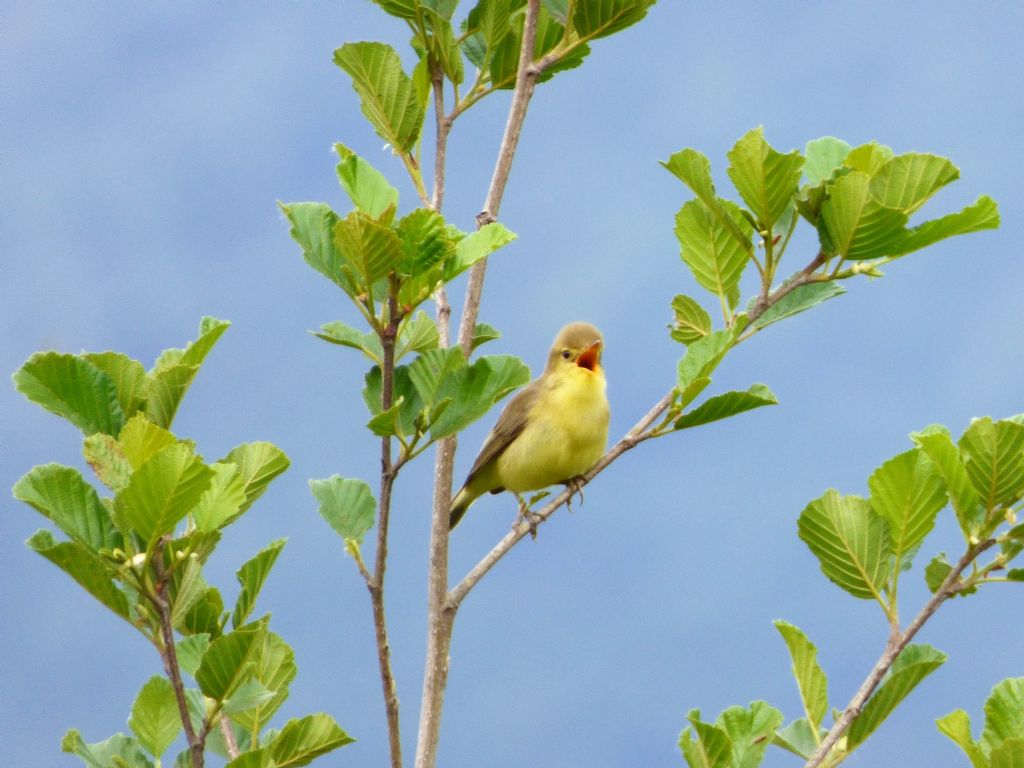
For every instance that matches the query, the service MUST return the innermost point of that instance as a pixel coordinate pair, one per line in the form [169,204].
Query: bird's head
[577,346]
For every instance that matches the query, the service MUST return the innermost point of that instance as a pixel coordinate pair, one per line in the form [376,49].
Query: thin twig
[229,737]
[893,647]
[443,127]
[169,656]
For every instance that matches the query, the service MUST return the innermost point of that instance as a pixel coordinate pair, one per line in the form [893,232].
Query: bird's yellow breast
[566,432]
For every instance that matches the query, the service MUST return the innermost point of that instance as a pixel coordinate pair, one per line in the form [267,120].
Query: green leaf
[750,731]
[251,576]
[128,375]
[858,226]
[692,321]
[261,758]
[346,336]
[221,502]
[429,372]
[369,249]
[273,665]
[249,695]
[166,389]
[189,588]
[104,454]
[726,405]
[303,740]
[711,250]
[801,298]
[387,94]
[488,23]
[424,242]
[702,357]
[402,9]
[154,718]
[766,180]
[62,495]
[85,567]
[868,158]
[824,156]
[694,170]
[1009,754]
[215,741]
[912,666]
[226,662]
[312,227]
[993,455]
[935,440]
[190,651]
[258,464]
[482,333]
[73,388]
[475,246]
[798,738]
[161,492]
[119,751]
[908,492]
[983,213]
[712,747]
[810,678]
[474,388]
[140,439]
[907,181]
[417,334]
[205,617]
[957,726]
[850,541]
[195,352]
[401,418]
[346,504]
[598,18]
[369,191]
[1004,713]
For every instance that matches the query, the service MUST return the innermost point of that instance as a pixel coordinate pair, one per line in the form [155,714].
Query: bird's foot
[575,486]
[528,516]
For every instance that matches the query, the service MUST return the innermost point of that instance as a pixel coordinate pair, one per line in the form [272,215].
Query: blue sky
[143,147]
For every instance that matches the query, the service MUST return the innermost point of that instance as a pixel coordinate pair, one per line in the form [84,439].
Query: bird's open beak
[589,357]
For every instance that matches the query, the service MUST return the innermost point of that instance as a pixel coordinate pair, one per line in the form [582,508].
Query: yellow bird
[552,431]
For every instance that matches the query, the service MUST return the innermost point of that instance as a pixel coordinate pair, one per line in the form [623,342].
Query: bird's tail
[459,506]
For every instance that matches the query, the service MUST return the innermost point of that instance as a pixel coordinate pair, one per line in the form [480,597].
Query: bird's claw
[575,487]
[528,516]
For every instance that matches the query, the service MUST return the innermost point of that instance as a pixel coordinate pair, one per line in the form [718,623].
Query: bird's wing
[510,425]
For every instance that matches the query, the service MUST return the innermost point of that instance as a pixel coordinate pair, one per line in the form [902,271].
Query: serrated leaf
[702,357]
[344,335]
[128,375]
[189,588]
[598,18]
[302,740]
[346,504]
[386,93]
[402,9]
[418,334]
[474,388]
[251,576]
[205,617]
[475,246]
[810,678]
[154,718]
[750,730]
[798,738]
[165,391]
[482,333]
[312,227]
[104,454]
[85,567]
[908,492]
[692,322]
[488,23]
[907,181]
[983,213]
[222,500]
[249,695]
[258,464]
[912,666]
[226,662]
[1009,754]
[712,747]
[858,226]
[957,726]
[161,492]
[868,158]
[1004,713]
[190,651]
[798,300]
[62,495]
[823,157]
[993,455]
[406,405]
[850,541]
[369,250]
[366,186]
[119,751]
[273,665]
[694,170]
[709,248]
[767,180]
[140,439]
[726,405]
[73,388]
[936,441]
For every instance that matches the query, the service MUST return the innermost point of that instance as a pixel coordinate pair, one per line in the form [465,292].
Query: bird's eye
[566,354]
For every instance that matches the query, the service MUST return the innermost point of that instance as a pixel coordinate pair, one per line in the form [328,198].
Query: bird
[552,431]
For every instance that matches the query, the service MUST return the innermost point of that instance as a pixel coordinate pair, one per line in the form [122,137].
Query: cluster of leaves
[859,201]
[141,552]
[863,546]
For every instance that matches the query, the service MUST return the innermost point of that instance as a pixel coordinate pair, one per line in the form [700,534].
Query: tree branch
[169,656]
[893,647]
[229,737]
